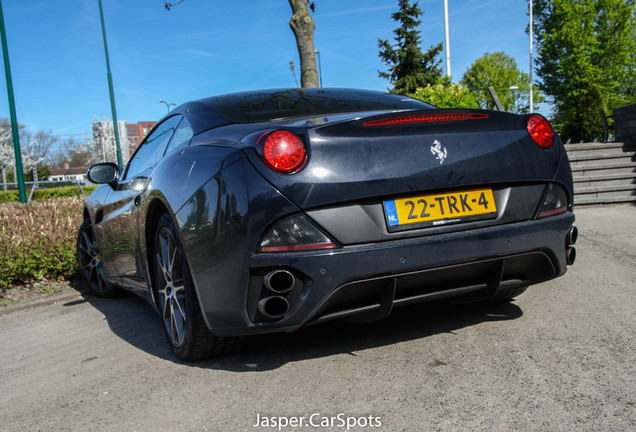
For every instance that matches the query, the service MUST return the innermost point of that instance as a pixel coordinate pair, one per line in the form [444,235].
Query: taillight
[425,118]
[540,130]
[556,201]
[296,233]
[283,151]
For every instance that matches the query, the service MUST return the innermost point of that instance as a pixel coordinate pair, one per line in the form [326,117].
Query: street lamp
[531,65]
[514,89]
[319,67]
[167,104]
[446,32]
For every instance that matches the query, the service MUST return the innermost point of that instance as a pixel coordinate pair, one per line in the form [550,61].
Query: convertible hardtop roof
[265,105]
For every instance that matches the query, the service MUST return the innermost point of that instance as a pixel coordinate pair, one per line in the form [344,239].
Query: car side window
[182,135]
[152,148]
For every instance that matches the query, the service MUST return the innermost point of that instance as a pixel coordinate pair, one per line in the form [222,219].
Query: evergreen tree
[409,67]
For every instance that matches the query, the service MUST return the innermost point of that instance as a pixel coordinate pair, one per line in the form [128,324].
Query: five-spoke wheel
[170,282]
[183,323]
[90,263]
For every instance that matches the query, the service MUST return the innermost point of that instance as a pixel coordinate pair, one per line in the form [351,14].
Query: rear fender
[220,227]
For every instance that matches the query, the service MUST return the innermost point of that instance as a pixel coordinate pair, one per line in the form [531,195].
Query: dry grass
[37,240]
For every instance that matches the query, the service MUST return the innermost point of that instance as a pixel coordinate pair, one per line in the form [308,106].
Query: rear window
[254,107]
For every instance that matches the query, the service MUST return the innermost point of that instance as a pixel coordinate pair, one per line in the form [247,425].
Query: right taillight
[540,130]
[555,202]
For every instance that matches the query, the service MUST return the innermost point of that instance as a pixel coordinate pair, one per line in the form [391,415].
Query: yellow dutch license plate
[440,209]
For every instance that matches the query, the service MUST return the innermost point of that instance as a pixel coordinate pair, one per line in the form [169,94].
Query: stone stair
[603,173]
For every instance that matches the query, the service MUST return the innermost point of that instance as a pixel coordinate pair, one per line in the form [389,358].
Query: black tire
[183,323]
[90,263]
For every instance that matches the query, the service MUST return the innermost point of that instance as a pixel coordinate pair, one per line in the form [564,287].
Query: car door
[119,227]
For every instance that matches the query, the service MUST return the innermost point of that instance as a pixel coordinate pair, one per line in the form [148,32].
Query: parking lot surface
[562,357]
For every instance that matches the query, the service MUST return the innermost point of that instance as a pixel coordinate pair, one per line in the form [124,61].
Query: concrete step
[598,156]
[619,178]
[603,173]
[608,190]
[603,168]
[570,148]
[593,200]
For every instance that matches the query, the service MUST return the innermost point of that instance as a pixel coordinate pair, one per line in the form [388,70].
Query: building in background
[137,132]
[68,174]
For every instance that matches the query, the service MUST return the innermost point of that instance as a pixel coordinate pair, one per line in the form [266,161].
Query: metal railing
[45,185]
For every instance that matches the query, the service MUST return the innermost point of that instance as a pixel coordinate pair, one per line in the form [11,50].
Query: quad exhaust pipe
[273,307]
[279,281]
[570,240]
[572,236]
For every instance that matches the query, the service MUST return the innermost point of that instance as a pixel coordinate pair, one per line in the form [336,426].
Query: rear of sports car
[388,209]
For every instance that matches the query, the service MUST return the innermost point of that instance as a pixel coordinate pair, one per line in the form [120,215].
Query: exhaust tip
[274,307]
[572,236]
[570,256]
[279,281]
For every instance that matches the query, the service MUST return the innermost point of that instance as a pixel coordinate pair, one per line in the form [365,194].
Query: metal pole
[448,64]
[531,66]
[14,120]
[110,89]
[319,68]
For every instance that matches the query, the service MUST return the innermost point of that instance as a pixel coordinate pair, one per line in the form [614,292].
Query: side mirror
[103,173]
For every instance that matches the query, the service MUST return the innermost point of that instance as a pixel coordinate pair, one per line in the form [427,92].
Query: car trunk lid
[397,154]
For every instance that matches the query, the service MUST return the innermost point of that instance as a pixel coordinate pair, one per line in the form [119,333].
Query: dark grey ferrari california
[268,210]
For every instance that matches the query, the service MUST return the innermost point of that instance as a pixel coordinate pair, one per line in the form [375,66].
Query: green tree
[586,59]
[409,67]
[500,71]
[446,94]
[582,123]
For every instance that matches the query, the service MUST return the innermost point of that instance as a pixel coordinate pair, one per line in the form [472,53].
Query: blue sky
[206,47]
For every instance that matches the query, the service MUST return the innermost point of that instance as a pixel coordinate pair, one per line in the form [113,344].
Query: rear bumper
[368,280]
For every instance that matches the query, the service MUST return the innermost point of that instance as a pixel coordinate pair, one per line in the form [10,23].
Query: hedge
[43,194]
[37,240]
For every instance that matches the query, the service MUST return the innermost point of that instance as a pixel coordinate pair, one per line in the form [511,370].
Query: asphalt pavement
[562,357]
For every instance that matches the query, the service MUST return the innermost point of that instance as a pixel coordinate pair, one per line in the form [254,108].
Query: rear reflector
[295,248]
[426,118]
[296,233]
[555,202]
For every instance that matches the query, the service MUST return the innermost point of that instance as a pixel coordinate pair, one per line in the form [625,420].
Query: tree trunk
[303,27]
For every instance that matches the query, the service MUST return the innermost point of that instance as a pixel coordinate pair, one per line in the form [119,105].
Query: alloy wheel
[89,260]
[171,286]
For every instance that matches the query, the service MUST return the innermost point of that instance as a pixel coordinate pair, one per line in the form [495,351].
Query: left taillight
[282,150]
[295,233]
[540,130]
